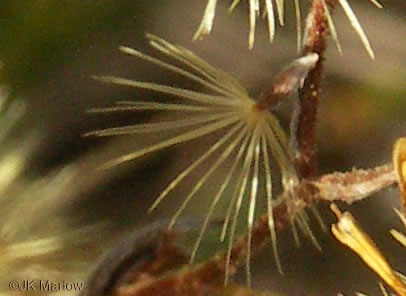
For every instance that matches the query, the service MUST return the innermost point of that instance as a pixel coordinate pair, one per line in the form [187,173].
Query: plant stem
[316,41]
[208,277]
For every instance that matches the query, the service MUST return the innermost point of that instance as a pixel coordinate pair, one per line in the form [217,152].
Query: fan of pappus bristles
[248,137]
[268,7]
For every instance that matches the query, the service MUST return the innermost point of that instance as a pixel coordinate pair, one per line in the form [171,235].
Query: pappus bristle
[354,23]
[357,26]
[267,7]
[255,7]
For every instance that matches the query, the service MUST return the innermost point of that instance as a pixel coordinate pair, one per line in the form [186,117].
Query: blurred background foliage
[50,49]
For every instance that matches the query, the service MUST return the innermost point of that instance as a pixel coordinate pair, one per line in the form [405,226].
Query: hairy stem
[208,277]
[316,42]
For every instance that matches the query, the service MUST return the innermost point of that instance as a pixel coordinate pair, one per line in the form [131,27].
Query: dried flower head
[268,8]
[248,134]
[349,233]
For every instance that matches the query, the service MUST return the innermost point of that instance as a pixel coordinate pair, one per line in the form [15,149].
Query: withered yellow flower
[349,233]
[399,164]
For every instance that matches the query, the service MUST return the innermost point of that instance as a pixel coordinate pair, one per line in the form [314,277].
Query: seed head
[247,136]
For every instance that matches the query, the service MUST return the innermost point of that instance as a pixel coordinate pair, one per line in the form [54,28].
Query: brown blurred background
[50,49]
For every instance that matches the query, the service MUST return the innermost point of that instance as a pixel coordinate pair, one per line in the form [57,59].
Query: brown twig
[355,185]
[209,276]
[316,41]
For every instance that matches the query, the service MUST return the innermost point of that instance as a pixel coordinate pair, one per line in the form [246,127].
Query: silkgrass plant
[249,140]
[250,132]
